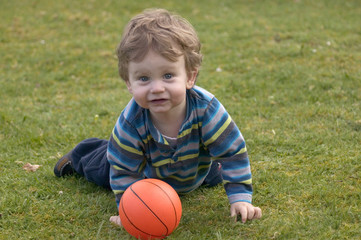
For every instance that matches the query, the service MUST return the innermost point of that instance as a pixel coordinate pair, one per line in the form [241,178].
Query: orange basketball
[150,209]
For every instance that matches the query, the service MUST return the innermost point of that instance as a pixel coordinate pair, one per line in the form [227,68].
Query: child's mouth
[158,101]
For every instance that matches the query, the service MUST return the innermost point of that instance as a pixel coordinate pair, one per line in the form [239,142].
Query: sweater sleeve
[125,156]
[225,144]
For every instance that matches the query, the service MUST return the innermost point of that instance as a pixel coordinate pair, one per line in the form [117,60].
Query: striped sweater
[137,150]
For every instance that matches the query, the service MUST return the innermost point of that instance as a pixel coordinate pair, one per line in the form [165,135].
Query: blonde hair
[167,34]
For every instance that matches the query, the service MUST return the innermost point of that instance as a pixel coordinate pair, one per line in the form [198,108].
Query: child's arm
[246,210]
[125,156]
[125,164]
[225,143]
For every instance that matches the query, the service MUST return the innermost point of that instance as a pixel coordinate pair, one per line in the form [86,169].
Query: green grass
[290,78]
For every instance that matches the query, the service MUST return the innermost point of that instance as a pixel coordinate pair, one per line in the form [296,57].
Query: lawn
[288,72]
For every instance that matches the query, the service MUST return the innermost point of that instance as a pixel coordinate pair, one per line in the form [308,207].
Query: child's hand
[246,210]
[116,220]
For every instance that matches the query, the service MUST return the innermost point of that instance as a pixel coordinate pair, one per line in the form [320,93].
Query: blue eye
[144,78]
[168,76]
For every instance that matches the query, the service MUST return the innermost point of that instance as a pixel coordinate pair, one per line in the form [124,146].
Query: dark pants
[89,158]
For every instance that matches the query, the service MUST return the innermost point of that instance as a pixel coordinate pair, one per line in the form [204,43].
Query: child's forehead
[169,54]
[152,57]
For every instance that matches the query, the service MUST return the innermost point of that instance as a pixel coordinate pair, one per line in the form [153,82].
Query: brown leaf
[31,168]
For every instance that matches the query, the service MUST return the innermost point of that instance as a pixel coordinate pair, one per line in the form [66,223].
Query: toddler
[171,129]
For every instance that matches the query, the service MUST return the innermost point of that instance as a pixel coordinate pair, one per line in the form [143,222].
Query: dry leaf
[31,168]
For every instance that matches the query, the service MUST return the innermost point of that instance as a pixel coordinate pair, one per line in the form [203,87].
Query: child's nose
[157,86]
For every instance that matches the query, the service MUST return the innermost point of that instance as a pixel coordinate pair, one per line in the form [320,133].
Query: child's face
[158,84]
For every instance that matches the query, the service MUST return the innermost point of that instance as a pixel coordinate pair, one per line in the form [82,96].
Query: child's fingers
[251,212]
[234,214]
[258,213]
[245,211]
[115,220]
[244,214]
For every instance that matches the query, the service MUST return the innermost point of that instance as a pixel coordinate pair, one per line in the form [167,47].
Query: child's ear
[129,86]
[191,79]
